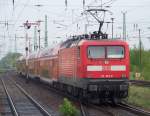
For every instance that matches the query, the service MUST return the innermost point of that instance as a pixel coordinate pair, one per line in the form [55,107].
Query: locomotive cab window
[96,52]
[115,52]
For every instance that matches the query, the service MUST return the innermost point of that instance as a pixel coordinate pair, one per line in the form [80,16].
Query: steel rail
[104,110]
[14,111]
[140,83]
[83,111]
[38,105]
[134,109]
[124,106]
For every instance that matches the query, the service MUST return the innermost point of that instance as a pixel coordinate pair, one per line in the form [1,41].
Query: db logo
[106,62]
[106,68]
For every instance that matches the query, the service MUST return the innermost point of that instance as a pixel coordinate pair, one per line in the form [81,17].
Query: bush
[139,96]
[145,63]
[67,109]
[9,61]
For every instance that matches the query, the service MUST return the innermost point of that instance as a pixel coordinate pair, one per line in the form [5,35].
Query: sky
[64,21]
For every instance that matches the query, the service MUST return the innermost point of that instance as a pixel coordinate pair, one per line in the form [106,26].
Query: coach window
[96,52]
[115,52]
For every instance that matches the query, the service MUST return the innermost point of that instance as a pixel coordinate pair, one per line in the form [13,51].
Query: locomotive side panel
[68,65]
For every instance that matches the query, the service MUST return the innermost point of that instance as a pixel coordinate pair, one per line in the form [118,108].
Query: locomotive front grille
[95,87]
[118,87]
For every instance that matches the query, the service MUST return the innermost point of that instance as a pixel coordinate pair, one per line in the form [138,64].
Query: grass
[67,109]
[1,71]
[139,96]
[132,76]
[135,65]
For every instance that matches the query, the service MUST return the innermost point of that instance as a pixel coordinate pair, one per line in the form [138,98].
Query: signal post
[27,26]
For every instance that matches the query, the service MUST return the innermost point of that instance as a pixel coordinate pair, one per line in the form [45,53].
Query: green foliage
[9,61]
[67,109]
[135,65]
[139,96]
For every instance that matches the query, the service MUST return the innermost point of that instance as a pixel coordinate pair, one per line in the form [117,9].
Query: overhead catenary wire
[109,2]
[77,18]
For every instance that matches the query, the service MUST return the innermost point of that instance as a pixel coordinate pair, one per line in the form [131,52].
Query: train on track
[84,66]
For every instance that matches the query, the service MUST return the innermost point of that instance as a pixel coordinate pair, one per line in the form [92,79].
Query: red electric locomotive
[86,68]
[95,68]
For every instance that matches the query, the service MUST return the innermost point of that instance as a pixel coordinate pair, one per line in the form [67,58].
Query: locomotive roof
[103,42]
[71,43]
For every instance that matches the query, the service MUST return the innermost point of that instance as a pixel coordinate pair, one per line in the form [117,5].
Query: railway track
[6,106]
[91,109]
[83,110]
[133,109]
[19,102]
[86,109]
[140,83]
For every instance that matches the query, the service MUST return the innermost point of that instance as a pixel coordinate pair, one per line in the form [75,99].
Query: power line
[124,25]
[141,6]
[109,2]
